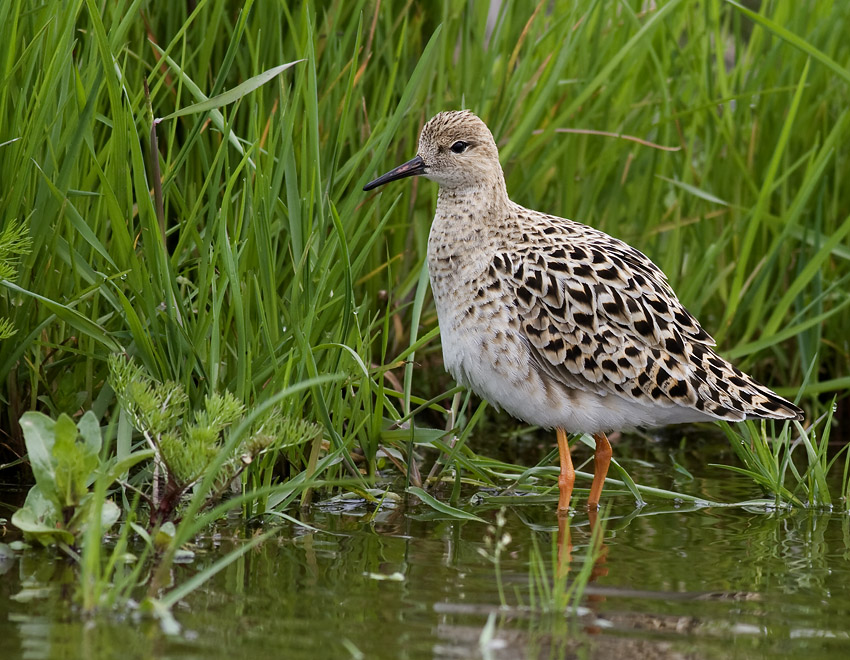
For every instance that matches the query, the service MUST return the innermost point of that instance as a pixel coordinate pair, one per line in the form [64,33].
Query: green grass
[254,263]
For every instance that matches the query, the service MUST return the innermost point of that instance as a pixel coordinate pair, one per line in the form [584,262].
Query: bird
[560,324]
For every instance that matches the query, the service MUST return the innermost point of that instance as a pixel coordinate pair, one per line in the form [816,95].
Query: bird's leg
[601,461]
[568,475]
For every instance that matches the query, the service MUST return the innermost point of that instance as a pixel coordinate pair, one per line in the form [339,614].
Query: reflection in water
[597,552]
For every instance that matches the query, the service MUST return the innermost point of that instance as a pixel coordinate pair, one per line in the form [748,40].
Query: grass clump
[803,481]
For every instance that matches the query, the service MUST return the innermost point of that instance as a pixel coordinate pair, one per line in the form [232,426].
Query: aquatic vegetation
[188,444]
[803,481]
[66,460]
[183,447]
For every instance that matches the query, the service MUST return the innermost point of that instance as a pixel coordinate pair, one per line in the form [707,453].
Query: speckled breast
[479,331]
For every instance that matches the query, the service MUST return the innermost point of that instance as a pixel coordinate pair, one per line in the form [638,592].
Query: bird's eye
[459,147]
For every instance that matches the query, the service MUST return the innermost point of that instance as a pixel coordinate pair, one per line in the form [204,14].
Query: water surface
[670,581]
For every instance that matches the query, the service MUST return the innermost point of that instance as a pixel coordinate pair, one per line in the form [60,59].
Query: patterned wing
[601,317]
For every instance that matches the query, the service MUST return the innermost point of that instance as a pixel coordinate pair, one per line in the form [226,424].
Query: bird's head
[456,149]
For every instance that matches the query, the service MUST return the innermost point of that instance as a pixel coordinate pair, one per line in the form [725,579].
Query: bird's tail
[728,393]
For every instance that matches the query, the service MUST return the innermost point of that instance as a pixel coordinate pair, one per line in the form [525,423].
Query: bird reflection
[598,548]
[597,553]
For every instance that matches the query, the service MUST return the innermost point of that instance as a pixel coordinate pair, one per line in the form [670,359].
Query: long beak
[413,167]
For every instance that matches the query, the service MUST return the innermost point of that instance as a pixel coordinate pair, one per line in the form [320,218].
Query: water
[670,583]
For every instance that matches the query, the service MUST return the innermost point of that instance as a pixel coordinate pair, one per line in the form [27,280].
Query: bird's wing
[598,315]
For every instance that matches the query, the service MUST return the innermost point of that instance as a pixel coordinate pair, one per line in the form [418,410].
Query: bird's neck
[473,202]
[464,219]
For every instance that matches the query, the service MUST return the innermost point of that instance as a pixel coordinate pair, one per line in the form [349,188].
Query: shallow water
[670,583]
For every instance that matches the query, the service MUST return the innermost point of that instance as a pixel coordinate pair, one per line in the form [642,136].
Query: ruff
[559,324]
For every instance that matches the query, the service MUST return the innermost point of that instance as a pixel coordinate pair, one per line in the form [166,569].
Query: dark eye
[459,147]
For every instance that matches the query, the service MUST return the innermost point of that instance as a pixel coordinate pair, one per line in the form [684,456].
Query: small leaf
[164,535]
[38,431]
[443,508]
[693,190]
[232,95]
[89,429]
[38,519]
[142,532]
[109,514]
[681,469]
[120,467]
[67,461]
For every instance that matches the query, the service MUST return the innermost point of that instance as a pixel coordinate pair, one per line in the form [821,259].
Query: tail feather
[726,392]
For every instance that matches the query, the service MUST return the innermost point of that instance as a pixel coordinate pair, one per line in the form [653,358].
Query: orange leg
[601,461]
[568,474]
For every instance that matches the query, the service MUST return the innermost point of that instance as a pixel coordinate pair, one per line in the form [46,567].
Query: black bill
[413,167]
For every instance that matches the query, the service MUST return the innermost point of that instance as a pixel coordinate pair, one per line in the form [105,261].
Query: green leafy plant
[65,460]
[186,443]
